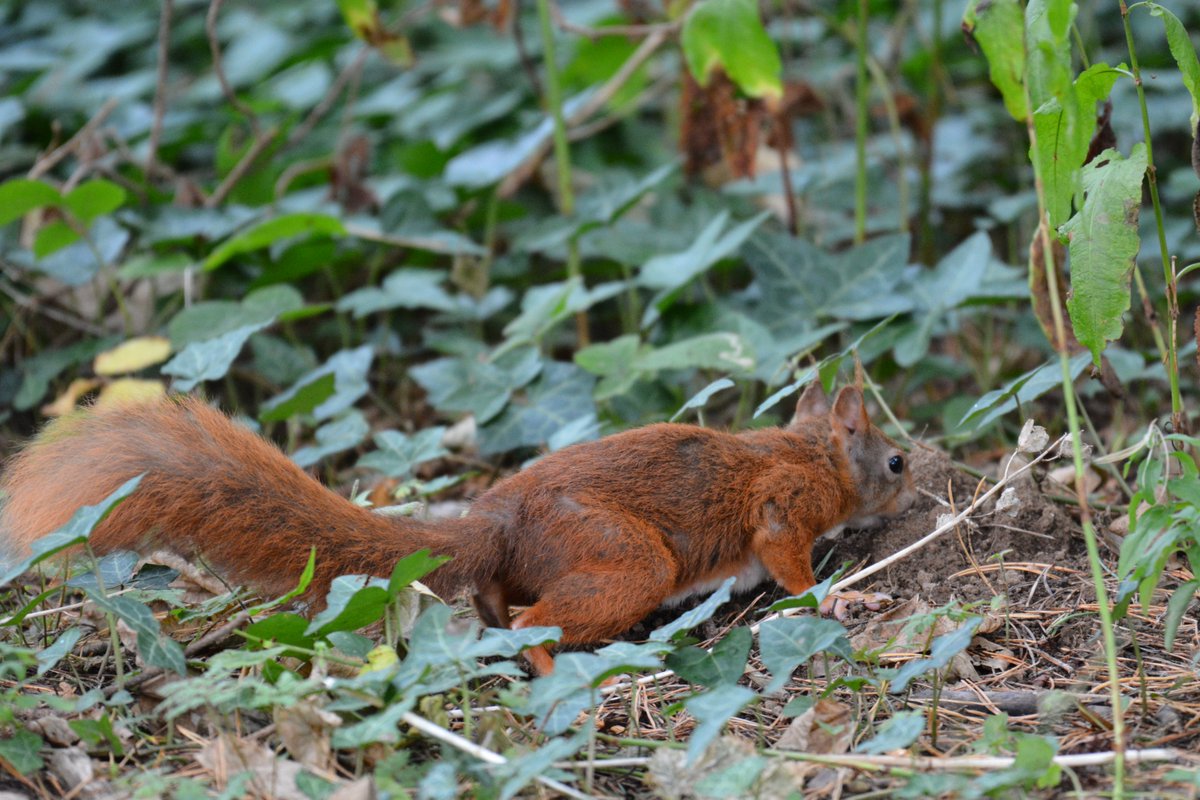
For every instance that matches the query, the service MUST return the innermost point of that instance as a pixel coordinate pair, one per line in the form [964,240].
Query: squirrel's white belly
[750,574]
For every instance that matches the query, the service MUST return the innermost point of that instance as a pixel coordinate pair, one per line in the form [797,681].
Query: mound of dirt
[1036,530]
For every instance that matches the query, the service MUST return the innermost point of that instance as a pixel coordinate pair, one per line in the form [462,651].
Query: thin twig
[48,161]
[214,46]
[322,108]
[482,753]
[591,105]
[160,88]
[241,168]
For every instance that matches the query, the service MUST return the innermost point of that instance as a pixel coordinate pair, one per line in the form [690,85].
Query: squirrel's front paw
[840,604]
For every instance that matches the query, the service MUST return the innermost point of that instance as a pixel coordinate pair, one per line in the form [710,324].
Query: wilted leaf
[133,355]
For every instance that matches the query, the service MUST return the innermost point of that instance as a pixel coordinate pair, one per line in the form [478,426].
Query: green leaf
[467,384]
[1064,134]
[337,436]
[404,288]
[721,351]
[1104,245]
[701,613]
[730,34]
[798,281]
[896,734]
[19,196]
[76,531]
[94,198]
[325,392]
[213,318]
[155,648]
[1184,53]
[613,361]
[21,750]
[1181,598]
[562,394]
[998,27]
[724,664]
[63,645]
[399,454]
[353,602]
[944,648]
[788,642]
[271,231]
[53,237]
[413,567]
[208,360]
[701,398]
[671,271]
[712,710]
[1023,389]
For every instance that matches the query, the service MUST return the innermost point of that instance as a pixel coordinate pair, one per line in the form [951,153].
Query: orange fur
[591,538]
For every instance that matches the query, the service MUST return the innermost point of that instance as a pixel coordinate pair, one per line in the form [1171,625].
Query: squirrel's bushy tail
[216,490]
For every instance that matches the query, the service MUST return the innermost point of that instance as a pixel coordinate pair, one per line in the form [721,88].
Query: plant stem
[562,155]
[1152,180]
[860,130]
[1085,514]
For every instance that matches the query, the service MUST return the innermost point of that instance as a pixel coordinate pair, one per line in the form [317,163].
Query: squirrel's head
[879,470]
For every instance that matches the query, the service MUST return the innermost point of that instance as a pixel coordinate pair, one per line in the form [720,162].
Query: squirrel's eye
[896,464]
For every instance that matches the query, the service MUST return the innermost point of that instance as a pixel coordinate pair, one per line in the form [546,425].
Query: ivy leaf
[271,231]
[326,391]
[1022,389]
[730,34]
[722,351]
[897,733]
[712,710]
[788,642]
[208,360]
[337,436]
[673,270]
[562,394]
[353,602]
[212,318]
[49,656]
[692,618]
[404,288]
[399,454]
[1104,245]
[155,648]
[800,281]
[701,398]
[944,648]
[21,749]
[466,384]
[723,665]
[998,27]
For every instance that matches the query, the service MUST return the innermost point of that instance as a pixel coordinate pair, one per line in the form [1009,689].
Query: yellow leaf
[130,390]
[65,402]
[135,354]
[381,657]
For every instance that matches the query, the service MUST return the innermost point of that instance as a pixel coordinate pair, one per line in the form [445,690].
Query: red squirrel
[591,538]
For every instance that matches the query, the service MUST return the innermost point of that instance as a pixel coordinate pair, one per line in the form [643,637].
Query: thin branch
[51,159]
[160,89]
[611,30]
[331,96]
[214,46]
[586,109]
[241,168]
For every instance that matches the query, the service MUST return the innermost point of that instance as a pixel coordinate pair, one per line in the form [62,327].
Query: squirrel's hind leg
[605,599]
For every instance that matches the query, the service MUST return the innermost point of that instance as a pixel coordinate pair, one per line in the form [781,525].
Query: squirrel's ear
[850,411]
[812,403]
